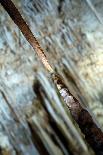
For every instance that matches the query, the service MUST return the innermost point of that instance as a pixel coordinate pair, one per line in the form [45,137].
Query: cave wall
[71,34]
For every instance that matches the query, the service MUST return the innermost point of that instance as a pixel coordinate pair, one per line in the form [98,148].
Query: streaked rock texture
[34,119]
